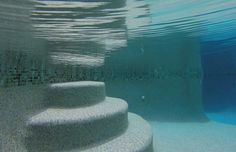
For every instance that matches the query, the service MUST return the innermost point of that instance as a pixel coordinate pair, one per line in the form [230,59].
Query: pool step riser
[67,96]
[68,136]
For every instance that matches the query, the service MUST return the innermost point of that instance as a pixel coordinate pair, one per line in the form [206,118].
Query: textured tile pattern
[137,138]
[101,127]
[72,94]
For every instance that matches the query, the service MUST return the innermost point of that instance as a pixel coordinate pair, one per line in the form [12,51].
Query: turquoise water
[173,61]
[160,51]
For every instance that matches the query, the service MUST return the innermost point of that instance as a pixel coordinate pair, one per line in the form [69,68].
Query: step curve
[81,93]
[137,138]
[56,129]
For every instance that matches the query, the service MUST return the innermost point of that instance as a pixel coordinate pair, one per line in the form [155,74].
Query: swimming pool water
[173,61]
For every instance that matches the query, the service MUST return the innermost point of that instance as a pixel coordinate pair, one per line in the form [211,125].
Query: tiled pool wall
[153,59]
[159,81]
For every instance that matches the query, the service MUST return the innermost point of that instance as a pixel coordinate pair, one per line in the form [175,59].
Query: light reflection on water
[85,33]
[95,28]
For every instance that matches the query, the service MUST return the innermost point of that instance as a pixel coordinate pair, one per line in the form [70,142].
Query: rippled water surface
[85,32]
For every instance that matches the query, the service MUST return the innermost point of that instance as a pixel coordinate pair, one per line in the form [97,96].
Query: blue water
[219,83]
[133,37]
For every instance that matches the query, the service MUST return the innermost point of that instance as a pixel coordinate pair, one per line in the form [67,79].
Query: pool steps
[76,126]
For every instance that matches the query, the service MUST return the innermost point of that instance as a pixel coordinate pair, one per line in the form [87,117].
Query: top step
[72,94]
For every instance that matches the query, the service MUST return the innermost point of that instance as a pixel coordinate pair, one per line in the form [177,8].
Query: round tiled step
[72,94]
[137,138]
[57,129]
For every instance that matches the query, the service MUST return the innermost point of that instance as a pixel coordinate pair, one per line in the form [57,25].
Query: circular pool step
[57,129]
[81,119]
[73,94]
[137,138]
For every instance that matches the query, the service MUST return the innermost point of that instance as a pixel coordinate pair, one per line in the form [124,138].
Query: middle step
[56,128]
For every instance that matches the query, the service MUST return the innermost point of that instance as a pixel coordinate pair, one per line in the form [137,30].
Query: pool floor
[194,137]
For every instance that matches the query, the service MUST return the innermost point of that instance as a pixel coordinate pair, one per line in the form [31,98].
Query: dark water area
[219,81]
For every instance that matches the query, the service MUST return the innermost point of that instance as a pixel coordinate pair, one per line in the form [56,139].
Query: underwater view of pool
[171,62]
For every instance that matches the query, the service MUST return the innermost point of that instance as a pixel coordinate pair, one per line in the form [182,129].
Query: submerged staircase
[80,118]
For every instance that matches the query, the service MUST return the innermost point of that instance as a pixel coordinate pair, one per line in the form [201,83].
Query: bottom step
[137,138]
